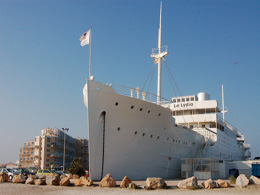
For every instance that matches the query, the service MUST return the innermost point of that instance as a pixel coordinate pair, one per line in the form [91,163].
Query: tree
[77,167]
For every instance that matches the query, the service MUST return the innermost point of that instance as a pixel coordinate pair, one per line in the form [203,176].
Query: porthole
[173,140]
[164,128]
[151,136]
[116,104]
[167,138]
[141,109]
[143,134]
[135,132]
[159,114]
[132,107]
[158,137]
[118,129]
[149,111]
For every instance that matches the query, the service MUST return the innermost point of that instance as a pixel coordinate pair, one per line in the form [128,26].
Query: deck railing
[138,94]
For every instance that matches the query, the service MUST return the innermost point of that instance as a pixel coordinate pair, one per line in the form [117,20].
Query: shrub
[77,167]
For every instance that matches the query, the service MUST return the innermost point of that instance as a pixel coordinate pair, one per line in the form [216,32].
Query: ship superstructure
[202,115]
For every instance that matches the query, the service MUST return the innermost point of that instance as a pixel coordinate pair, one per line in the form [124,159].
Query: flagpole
[90,52]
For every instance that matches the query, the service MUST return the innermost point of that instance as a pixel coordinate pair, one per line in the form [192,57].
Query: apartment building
[47,150]
[82,150]
[27,154]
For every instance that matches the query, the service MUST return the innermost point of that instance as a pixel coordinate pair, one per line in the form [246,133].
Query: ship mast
[223,104]
[158,58]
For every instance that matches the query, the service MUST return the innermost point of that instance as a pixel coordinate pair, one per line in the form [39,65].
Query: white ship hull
[133,137]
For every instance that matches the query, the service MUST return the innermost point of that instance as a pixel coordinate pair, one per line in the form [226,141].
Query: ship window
[132,107]
[116,103]
[192,99]
[174,100]
[143,134]
[191,126]
[149,111]
[183,99]
[135,132]
[203,126]
[159,114]
[167,138]
[213,125]
[151,136]
[178,100]
[173,140]
[141,109]
[158,137]
[187,99]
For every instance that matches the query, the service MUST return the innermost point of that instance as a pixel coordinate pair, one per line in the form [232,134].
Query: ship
[137,134]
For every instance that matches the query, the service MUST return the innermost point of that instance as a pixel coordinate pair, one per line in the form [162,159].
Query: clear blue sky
[43,68]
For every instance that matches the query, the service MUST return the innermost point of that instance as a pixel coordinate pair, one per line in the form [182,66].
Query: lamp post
[64,129]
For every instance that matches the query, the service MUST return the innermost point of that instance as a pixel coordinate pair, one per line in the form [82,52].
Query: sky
[43,68]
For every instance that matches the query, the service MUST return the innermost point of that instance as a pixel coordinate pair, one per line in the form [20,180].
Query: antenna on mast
[223,104]
[158,57]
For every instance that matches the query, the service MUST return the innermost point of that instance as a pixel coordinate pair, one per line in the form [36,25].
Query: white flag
[85,38]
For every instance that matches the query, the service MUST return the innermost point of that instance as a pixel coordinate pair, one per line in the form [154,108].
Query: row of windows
[158,137]
[24,159]
[141,109]
[183,99]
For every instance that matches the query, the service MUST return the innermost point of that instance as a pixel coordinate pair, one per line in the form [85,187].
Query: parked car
[62,173]
[8,171]
[24,171]
[45,172]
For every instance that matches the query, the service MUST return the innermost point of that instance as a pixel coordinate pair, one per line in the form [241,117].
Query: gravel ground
[20,189]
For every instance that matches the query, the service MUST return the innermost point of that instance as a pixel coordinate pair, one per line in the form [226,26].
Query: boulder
[154,183]
[3,177]
[29,180]
[40,177]
[132,186]
[62,176]
[53,180]
[125,182]
[75,176]
[189,183]
[108,181]
[209,184]
[242,181]
[19,178]
[65,181]
[254,180]
[82,181]
[39,182]
[222,183]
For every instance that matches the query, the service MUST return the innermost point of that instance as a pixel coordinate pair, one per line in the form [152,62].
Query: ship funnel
[202,96]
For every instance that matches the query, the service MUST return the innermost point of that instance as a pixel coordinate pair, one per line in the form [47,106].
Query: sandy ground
[20,189]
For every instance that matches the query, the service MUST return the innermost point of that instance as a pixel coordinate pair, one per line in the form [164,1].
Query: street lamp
[64,129]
